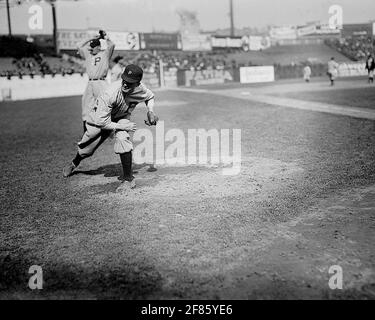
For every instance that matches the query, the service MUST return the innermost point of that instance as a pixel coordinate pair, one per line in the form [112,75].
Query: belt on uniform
[94,125]
[97,79]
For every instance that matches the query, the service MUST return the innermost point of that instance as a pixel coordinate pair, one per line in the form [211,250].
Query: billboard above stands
[257,74]
[229,42]
[71,39]
[218,42]
[257,43]
[306,30]
[287,32]
[357,30]
[196,42]
[160,41]
[226,42]
[124,40]
[325,29]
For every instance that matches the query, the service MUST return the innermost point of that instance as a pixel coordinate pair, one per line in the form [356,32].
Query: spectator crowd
[355,48]
[40,65]
[180,60]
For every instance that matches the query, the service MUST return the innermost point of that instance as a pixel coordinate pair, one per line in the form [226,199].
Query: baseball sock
[77,160]
[126,161]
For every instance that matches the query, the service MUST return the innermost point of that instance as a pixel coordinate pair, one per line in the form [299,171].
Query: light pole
[52,2]
[8,14]
[231,18]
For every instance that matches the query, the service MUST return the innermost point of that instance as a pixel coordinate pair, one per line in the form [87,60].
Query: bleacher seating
[355,48]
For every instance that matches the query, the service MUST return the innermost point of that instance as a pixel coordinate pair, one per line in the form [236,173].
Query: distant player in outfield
[370,66]
[307,73]
[332,70]
[97,66]
[111,115]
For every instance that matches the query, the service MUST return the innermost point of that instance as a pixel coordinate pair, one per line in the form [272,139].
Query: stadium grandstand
[25,55]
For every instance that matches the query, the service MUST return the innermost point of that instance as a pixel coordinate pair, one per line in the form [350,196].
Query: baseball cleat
[122,177]
[68,170]
[151,168]
[126,186]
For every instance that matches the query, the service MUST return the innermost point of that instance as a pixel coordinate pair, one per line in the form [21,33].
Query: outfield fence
[70,85]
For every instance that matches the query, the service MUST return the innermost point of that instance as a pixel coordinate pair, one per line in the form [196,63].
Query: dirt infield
[303,201]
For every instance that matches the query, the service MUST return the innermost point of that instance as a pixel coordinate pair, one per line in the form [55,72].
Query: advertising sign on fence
[201,77]
[29,88]
[257,43]
[257,74]
[196,42]
[352,69]
[226,42]
[160,41]
[170,77]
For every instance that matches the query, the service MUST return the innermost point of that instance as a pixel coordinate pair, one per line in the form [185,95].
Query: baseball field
[303,201]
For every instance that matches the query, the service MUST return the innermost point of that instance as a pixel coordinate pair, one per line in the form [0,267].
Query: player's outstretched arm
[152,118]
[150,105]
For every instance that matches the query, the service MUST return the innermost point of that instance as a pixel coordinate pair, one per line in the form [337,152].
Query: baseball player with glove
[332,70]
[111,114]
[97,65]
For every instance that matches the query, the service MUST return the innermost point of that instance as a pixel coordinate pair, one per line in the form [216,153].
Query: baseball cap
[132,73]
[94,43]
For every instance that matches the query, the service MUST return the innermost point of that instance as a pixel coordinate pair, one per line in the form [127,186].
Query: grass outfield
[302,202]
[359,97]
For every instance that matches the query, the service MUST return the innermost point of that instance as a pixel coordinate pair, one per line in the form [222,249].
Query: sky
[160,15]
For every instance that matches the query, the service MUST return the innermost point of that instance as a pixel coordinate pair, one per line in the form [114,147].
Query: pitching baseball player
[97,65]
[111,114]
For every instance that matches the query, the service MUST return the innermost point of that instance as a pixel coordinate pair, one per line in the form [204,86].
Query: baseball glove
[102,34]
[152,119]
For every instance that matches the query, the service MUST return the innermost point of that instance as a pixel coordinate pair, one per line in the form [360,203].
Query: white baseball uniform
[96,68]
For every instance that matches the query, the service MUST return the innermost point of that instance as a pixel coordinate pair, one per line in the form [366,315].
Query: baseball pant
[371,75]
[93,89]
[95,136]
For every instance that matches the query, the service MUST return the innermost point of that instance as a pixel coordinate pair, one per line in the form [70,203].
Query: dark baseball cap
[94,43]
[132,73]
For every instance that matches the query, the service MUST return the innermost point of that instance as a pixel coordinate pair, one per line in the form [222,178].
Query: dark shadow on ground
[121,281]
[113,170]
[141,280]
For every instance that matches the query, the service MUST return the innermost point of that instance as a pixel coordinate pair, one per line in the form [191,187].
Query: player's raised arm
[82,47]
[110,47]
